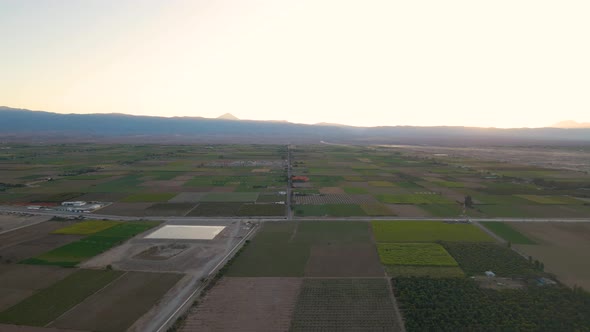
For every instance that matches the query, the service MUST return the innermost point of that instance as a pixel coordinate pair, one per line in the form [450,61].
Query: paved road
[17,209]
[289,183]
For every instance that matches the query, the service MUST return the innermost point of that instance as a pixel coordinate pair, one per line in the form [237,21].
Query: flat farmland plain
[126,298]
[48,304]
[562,247]
[246,304]
[19,281]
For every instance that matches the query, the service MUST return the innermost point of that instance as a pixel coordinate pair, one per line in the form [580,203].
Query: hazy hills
[571,124]
[26,125]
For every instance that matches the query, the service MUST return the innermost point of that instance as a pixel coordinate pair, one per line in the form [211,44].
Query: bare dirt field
[17,281]
[120,304]
[246,304]
[30,233]
[344,261]
[37,246]
[408,210]
[562,247]
[12,221]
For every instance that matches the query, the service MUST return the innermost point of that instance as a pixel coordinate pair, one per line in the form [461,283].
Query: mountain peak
[227,116]
[571,124]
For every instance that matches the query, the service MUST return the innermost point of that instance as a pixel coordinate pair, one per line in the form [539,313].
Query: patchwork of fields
[250,180]
[356,276]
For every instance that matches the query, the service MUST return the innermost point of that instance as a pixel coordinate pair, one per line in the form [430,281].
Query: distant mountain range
[36,126]
[571,124]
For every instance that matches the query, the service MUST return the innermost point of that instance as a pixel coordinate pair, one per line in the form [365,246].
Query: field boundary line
[398,313]
[191,210]
[89,296]
[21,227]
[200,288]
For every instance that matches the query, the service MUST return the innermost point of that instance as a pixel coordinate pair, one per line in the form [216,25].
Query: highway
[24,210]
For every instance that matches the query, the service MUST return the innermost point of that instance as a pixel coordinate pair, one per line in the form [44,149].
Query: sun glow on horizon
[501,64]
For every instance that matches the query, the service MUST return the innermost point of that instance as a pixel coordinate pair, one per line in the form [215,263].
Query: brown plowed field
[17,281]
[120,304]
[30,233]
[562,247]
[357,260]
[246,304]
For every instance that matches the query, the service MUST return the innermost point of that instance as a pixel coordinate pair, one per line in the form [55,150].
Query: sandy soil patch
[344,261]
[246,304]
[562,247]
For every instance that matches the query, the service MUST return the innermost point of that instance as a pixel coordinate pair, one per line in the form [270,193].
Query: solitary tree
[468,201]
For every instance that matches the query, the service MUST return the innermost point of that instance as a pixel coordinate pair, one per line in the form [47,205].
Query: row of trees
[460,305]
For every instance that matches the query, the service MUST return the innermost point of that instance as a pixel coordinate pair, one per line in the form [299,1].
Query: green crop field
[413,199]
[443,210]
[282,249]
[476,258]
[355,190]
[507,233]
[46,305]
[73,253]
[148,197]
[553,200]
[271,254]
[427,231]
[414,254]
[87,227]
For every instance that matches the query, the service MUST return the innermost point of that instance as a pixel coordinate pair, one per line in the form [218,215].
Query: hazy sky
[504,63]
